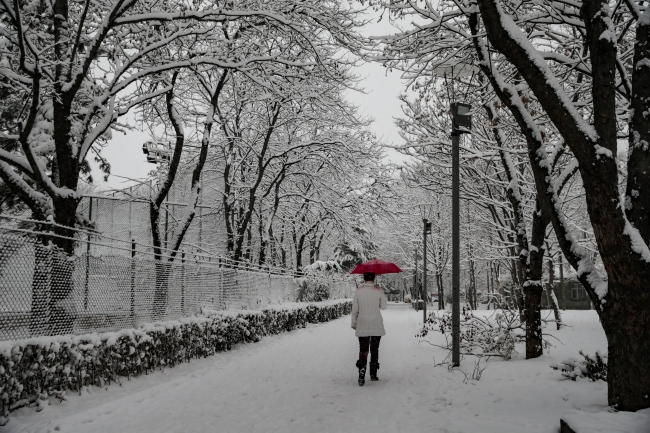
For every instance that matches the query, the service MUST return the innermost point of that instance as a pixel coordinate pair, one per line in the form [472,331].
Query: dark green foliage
[313,291]
[31,370]
[592,368]
[596,367]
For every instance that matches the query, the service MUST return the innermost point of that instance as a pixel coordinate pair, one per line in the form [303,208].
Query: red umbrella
[377,267]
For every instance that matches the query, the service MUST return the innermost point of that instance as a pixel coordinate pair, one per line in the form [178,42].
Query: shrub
[592,368]
[313,291]
[483,336]
[34,369]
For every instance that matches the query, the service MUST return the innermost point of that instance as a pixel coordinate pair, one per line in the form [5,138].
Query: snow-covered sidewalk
[305,381]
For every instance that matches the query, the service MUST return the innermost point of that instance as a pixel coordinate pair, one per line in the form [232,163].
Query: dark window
[575,293]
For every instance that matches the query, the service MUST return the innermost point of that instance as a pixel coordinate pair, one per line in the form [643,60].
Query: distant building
[573,297]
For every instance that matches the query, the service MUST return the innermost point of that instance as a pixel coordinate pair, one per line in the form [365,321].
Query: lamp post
[415,278]
[425,211]
[461,123]
[562,292]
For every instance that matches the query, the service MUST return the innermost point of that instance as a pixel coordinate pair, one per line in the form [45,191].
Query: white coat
[366,317]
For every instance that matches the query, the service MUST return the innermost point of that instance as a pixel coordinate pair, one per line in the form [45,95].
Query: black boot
[361,365]
[374,366]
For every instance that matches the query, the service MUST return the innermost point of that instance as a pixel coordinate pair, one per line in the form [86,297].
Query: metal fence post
[415,281]
[90,217]
[166,219]
[183,283]
[133,280]
[562,291]
[201,227]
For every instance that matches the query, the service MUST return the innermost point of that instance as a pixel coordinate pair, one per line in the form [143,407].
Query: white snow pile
[321,266]
[31,370]
[608,422]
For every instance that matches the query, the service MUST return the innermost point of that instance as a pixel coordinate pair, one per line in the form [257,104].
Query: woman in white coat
[367,321]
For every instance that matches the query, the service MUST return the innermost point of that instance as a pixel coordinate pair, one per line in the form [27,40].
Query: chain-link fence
[122,219]
[110,284]
[123,215]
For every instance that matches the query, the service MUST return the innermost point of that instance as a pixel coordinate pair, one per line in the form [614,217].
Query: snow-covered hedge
[33,369]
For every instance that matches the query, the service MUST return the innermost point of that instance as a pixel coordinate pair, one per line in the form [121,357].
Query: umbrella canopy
[378,267]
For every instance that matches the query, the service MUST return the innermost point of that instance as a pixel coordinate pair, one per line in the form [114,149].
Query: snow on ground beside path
[305,381]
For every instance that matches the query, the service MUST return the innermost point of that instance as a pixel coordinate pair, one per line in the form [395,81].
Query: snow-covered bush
[32,370]
[592,368]
[312,291]
[329,266]
[483,336]
[320,275]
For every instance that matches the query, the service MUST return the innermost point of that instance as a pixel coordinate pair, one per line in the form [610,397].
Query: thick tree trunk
[551,295]
[312,251]
[228,212]
[533,286]
[318,245]
[441,292]
[162,268]
[471,290]
[532,313]
[161,285]
[626,325]
[39,323]
[62,306]
[300,246]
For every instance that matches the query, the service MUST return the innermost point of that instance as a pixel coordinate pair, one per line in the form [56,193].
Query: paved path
[305,381]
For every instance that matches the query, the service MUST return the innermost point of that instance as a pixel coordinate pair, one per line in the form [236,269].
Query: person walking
[368,323]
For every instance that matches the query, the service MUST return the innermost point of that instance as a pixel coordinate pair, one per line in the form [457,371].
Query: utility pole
[426,230]
[460,118]
[562,284]
[455,248]
[415,279]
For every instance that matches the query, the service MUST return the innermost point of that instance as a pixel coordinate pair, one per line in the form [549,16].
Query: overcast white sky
[380,102]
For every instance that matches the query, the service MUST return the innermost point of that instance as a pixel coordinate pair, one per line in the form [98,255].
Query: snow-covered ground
[305,381]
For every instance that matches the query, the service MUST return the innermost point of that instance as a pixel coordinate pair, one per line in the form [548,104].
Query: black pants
[373,342]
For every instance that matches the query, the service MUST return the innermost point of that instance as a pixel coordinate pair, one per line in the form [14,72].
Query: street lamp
[425,213]
[461,123]
[415,277]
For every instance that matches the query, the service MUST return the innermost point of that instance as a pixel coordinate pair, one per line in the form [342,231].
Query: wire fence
[121,218]
[110,284]
[124,214]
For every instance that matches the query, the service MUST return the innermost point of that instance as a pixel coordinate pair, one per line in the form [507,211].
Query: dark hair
[369,276]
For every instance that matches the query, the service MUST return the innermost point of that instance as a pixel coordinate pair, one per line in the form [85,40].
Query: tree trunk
[441,292]
[551,293]
[532,313]
[312,251]
[471,290]
[162,268]
[300,246]
[161,285]
[39,323]
[62,306]
[628,361]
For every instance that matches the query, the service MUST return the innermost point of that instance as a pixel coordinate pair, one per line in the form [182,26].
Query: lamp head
[461,120]
[426,210]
